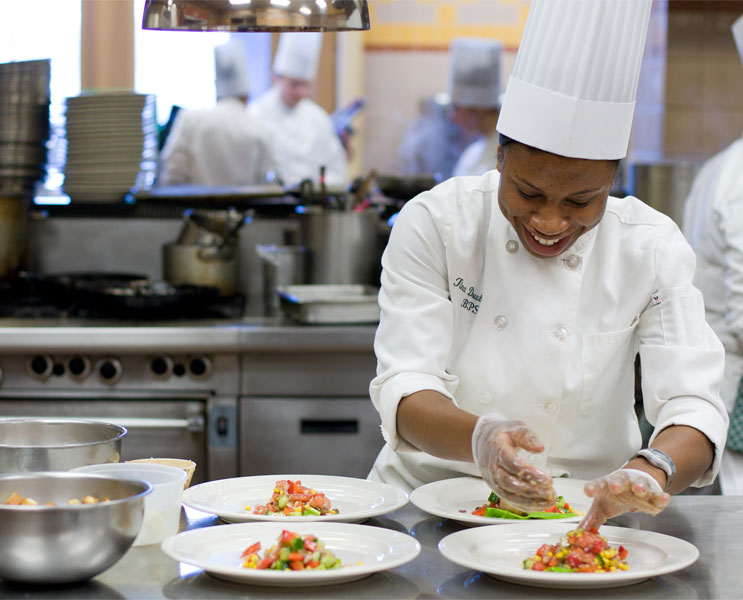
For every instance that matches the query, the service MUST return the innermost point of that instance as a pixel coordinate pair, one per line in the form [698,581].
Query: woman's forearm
[689,448]
[432,423]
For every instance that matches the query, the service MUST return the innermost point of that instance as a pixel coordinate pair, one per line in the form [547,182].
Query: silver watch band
[662,461]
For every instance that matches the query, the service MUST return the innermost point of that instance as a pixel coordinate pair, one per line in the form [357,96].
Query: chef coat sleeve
[731,227]
[414,337]
[682,359]
[176,159]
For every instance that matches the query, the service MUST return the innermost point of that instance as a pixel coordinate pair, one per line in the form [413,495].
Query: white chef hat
[231,70]
[297,55]
[474,74]
[573,87]
[737,29]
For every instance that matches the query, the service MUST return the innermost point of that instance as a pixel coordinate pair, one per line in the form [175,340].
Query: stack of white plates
[111,145]
[24,124]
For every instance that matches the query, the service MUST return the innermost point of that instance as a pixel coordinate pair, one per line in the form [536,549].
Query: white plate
[500,550]
[456,499]
[355,499]
[363,550]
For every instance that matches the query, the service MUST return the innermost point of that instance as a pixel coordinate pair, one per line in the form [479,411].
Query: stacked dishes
[111,145]
[24,125]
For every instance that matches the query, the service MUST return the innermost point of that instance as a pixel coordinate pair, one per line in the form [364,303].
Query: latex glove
[624,490]
[495,445]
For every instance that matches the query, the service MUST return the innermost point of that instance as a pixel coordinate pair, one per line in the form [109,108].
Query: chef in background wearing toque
[302,134]
[474,87]
[713,224]
[222,145]
[513,304]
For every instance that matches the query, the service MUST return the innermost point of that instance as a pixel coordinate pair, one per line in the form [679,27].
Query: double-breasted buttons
[572,262]
[500,322]
[485,398]
[550,406]
[512,246]
[560,334]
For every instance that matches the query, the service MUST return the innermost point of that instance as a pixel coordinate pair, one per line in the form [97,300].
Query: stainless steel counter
[275,333]
[713,523]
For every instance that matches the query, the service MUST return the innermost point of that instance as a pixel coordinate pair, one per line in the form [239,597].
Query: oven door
[161,427]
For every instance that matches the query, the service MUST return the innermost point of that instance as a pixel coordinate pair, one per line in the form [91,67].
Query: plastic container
[188,466]
[162,508]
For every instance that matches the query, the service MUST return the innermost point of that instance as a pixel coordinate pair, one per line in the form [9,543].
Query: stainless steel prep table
[713,523]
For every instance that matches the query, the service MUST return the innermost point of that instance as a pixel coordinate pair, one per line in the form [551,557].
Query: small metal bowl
[57,444]
[66,543]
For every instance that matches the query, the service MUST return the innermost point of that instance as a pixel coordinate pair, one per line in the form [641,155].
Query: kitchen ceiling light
[256,15]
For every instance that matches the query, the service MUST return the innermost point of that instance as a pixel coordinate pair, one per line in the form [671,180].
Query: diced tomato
[313,563]
[310,545]
[538,566]
[573,560]
[264,563]
[287,536]
[295,556]
[552,562]
[251,550]
[542,550]
[551,509]
[597,547]
[296,565]
[480,512]
[300,497]
[622,552]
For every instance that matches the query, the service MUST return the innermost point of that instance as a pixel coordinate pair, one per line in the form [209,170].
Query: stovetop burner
[88,297]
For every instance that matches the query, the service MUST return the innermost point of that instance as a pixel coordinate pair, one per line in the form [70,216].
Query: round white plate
[355,499]
[500,550]
[456,499]
[363,550]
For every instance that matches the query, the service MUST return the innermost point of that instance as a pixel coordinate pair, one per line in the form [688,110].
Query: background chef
[513,304]
[474,87]
[222,145]
[302,134]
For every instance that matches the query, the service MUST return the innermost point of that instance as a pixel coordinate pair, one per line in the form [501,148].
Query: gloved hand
[623,490]
[495,445]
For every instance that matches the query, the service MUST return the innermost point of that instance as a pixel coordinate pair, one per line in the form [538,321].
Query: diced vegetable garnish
[292,499]
[579,551]
[292,552]
[492,509]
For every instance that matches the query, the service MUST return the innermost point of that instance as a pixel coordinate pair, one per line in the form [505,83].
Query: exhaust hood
[256,15]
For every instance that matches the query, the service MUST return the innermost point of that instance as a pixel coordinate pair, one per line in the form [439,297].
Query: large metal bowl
[67,543]
[57,444]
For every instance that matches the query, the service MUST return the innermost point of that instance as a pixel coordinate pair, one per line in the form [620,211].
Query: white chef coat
[479,157]
[218,146]
[468,312]
[303,139]
[713,224]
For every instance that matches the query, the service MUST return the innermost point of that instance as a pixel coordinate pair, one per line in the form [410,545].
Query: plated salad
[498,508]
[292,552]
[292,499]
[579,551]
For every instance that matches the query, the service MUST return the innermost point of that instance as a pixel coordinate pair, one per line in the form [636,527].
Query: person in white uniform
[713,224]
[475,90]
[222,145]
[513,304]
[302,133]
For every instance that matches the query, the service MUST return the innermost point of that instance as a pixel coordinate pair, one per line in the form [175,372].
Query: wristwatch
[662,461]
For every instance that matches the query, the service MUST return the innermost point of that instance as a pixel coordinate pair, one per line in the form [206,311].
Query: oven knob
[109,370]
[78,366]
[40,366]
[199,367]
[161,367]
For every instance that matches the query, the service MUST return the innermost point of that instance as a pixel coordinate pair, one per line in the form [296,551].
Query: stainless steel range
[174,386]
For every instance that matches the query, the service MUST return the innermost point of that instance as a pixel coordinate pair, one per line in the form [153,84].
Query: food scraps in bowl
[16,499]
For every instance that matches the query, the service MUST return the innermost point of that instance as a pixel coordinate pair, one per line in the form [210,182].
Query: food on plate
[16,499]
[499,508]
[292,552]
[292,499]
[579,551]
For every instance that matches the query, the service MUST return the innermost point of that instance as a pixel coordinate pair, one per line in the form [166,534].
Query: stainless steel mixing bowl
[57,444]
[67,543]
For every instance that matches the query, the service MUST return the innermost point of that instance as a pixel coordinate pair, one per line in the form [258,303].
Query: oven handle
[194,423]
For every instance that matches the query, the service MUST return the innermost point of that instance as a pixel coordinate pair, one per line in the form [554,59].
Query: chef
[713,224]
[513,303]
[474,87]
[221,145]
[302,134]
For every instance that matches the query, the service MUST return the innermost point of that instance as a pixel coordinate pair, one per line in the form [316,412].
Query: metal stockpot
[57,444]
[202,265]
[13,236]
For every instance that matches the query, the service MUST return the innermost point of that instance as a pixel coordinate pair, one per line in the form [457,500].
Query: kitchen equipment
[188,466]
[162,508]
[206,251]
[282,265]
[66,543]
[13,236]
[342,246]
[330,304]
[663,185]
[57,445]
